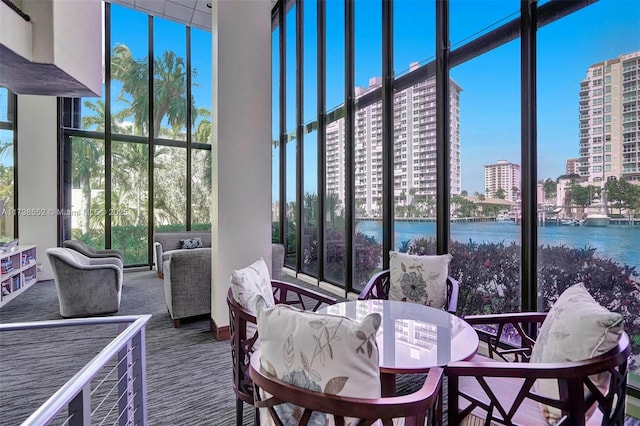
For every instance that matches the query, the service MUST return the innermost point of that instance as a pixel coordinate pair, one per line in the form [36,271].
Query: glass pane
[170,186]
[310,85]
[588,153]
[170,80]
[472,19]
[486,201]
[290,166]
[4,105]
[129,72]
[334,253]
[200,189]
[201,85]
[87,191]
[130,199]
[310,207]
[368,142]
[413,34]
[275,136]
[7,187]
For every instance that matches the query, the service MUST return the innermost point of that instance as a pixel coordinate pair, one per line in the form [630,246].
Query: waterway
[618,242]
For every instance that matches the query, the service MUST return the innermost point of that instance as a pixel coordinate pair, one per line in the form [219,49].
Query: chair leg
[176,323]
[239,408]
[256,417]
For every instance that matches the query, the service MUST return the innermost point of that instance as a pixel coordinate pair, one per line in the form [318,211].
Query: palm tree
[85,155]
[550,188]
[169,89]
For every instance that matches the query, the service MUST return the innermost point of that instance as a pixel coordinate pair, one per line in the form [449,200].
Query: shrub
[489,275]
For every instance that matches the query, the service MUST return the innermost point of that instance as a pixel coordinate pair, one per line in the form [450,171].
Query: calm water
[619,242]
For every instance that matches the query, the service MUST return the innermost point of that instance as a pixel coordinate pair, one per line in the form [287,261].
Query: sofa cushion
[191,243]
[321,352]
[419,279]
[576,328]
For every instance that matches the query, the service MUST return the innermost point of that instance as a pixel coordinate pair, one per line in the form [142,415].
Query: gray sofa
[86,286]
[84,248]
[166,243]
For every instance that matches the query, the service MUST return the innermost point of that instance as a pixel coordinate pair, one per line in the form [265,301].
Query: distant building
[502,175]
[414,147]
[572,165]
[609,122]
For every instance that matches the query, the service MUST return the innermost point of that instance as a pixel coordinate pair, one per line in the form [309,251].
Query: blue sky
[490,100]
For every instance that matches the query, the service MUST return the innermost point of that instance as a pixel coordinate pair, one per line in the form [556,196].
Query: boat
[596,219]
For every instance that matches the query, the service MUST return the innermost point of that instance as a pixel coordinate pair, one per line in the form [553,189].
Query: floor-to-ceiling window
[7,166]
[517,174]
[140,156]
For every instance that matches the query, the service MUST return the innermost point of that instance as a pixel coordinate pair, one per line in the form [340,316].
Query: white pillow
[249,282]
[576,328]
[419,279]
[325,353]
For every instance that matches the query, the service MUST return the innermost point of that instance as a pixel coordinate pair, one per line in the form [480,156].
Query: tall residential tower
[610,121]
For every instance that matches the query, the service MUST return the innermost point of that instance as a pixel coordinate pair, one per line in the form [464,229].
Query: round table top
[412,337]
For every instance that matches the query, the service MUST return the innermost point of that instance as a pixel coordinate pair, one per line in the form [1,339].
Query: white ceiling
[194,13]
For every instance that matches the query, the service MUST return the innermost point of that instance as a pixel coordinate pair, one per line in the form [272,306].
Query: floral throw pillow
[324,353]
[191,243]
[419,279]
[576,328]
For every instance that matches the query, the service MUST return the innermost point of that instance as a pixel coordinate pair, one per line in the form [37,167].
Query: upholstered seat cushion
[419,279]
[325,353]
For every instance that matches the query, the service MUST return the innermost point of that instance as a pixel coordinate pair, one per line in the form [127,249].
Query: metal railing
[103,391]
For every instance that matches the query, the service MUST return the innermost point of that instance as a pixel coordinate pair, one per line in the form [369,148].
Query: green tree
[550,188]
[500,193]
[622,194]
[169,89]
[580,195]
[86,156]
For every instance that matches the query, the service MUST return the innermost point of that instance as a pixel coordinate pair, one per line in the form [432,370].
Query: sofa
[84,248]
[166,242]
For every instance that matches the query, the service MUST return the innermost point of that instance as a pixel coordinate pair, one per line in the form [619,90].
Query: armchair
[505,393]
[244,339]
[85,249]
[379,285]
[86,286]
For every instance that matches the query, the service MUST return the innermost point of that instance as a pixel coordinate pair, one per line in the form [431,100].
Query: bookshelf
[18,271]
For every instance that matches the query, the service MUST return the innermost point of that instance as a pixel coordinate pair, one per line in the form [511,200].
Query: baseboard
[220,333]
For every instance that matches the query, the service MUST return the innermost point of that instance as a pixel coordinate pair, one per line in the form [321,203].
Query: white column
[241,213]
[37,175]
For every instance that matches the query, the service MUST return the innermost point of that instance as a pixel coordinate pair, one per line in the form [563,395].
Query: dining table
[412,337]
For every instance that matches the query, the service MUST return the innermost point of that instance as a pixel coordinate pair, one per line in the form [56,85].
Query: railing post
[139,378]
[124,381]
[80,408]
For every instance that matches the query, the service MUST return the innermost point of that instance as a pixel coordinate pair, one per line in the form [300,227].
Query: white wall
[15,32]
[37,175]
[241,218]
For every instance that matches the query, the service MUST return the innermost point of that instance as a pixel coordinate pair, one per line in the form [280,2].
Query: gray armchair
[82,247]
[86,286]
[187,283]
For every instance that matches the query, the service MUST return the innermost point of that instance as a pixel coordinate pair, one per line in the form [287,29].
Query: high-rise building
[571,166]
[504,176]
[414,148]
[610,121]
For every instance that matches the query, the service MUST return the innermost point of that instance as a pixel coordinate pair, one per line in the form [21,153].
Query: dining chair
[575,373]
[244,336]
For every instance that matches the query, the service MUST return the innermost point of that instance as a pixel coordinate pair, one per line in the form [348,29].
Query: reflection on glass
[130,200]
[170,175]
[87,191]
[129,72]
[200,189]
[290,166]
